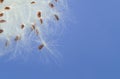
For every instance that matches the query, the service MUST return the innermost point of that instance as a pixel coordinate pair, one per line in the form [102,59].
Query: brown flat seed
[41,21]
[7,8]
[2,21]
[1,14]
[17,38]
[39,14]
[41,46]
[1,1]
[56,16]
[33,2]
[51,5]
[1,30]
[22,26]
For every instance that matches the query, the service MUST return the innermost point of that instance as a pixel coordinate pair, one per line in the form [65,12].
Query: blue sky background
[91,46]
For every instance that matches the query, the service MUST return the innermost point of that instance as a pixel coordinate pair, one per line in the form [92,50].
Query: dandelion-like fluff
[27,25]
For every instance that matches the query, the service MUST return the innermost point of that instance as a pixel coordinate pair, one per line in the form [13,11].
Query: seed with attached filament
[41,21]
[41,46]
[51,5]
[17,38]
[1,14]
[39,14]
[33,2]
[22,26]
[7,8]
[56,16]
[1,30]
[2,21]
[1,1]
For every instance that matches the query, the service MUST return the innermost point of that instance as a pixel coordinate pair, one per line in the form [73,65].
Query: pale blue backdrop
[90,48]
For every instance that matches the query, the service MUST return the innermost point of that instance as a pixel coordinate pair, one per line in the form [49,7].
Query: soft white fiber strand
[24,29]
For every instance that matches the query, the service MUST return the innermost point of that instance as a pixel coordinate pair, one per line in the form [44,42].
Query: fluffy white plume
[27,25]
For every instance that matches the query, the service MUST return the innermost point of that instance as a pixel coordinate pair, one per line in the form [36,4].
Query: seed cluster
[16,17]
